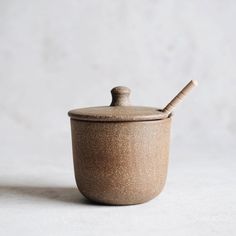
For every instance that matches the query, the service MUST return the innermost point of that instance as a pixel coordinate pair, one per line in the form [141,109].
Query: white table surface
[40,198]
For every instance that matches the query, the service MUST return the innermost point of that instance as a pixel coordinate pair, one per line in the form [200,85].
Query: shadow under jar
[120,151]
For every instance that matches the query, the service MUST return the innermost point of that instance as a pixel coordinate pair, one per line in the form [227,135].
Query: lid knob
[120,96]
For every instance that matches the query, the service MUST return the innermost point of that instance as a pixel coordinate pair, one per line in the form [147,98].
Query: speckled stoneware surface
[120,152]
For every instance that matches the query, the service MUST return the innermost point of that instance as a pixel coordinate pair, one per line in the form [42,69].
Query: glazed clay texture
[120,163]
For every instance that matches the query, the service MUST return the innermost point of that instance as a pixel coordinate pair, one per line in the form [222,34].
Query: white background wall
[59,55]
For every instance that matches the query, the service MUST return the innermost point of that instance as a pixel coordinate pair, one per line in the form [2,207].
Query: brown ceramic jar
[120,152]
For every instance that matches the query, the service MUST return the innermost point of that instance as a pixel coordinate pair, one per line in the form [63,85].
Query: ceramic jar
[120,151]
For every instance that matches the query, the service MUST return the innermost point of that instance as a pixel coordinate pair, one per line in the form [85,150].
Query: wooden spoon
[179,97]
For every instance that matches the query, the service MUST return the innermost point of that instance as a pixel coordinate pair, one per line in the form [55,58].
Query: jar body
[120,163]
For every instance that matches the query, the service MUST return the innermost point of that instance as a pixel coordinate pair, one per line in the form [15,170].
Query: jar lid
[119,110]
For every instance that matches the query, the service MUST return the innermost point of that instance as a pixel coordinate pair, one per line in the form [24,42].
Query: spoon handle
[179,97]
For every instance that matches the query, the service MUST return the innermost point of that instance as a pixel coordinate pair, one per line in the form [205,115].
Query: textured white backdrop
[58,55]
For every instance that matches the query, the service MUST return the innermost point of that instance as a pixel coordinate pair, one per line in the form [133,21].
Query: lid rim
[120,121]
[147,114]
